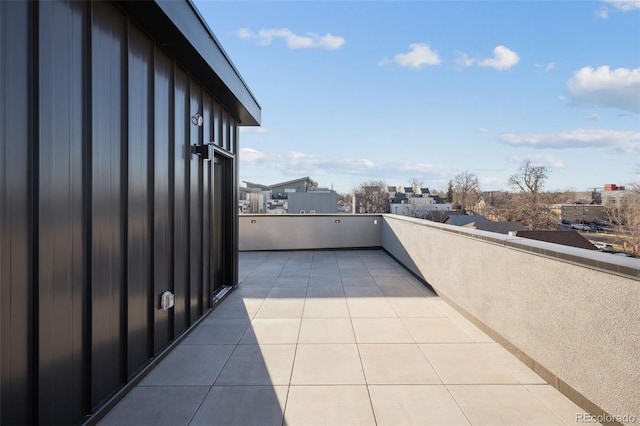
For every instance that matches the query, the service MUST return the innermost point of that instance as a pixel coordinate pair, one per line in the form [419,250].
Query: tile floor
[338,338]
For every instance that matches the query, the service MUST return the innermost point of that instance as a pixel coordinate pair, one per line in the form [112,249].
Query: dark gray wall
[102,204]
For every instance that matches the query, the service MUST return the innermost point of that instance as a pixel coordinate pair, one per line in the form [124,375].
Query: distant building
[250,200]
[419,203]
[295,197]
[578,213]
[615,198]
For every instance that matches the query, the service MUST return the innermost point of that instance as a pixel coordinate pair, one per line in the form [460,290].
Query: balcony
[319,335]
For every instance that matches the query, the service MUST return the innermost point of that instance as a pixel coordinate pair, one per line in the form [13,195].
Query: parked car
[603,246]
[580,227]
[565,222]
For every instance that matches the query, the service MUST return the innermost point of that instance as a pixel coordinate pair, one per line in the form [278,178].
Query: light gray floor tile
[326,272]
[323,364]
[502,405]
[381,330]
[296,324]
[281,308]
[470,329]
[251,292]
[335,330]
[358,281]
[398,364]
[369,307]
[328,405]
[520,371]
[415,405]
[259,281]
[287,293]
[466,363]
[292,281]
[414,307]
[265,365]
[556,402]
[399,290]
[362,292]
[325,281]
[245,308]
[326,308]
[242,406]
[325,291]
[218,331]
[193,365]
[269,331]
[435,330]
[162,405]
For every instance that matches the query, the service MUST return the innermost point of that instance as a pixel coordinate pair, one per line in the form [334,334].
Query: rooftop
[342,338]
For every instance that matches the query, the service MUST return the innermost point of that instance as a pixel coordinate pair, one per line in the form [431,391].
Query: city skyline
[356,91]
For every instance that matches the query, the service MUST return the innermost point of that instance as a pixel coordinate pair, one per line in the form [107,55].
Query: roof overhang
[181,31]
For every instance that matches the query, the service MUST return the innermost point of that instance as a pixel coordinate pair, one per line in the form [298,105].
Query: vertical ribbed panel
[140,123]
[107,275]
[162,225]
[61,257]
[16,259]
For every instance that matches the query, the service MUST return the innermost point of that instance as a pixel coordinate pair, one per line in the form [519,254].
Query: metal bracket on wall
[202,151]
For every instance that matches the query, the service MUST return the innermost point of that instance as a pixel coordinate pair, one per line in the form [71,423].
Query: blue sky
[392,90]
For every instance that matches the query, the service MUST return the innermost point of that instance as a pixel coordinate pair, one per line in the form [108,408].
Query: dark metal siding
[162,225]
[16,258]
[108,138]
[195,208]
[182,156]
[102,205]
[61,284]
[140,125]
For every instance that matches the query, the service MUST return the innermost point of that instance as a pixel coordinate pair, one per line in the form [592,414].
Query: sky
[394,90]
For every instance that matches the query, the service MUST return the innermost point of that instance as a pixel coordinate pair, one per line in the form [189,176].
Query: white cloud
[620,140]
[294,163]
[245,33]
[493,182]
[540,160]
[250,155]
[602,13]
[593,117]
[503,58]
[602,87]
[420,54]
[550,66]
[294,41]
[463,60]
[484,130]
[624,5]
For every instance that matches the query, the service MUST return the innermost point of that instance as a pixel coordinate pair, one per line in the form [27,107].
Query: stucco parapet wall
[605,262]
[309,231]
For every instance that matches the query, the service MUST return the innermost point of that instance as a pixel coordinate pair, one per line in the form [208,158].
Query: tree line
[527,203]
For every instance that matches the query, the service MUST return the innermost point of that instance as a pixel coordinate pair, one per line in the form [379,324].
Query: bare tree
[465,189]
[625,219]
[416,184]
[530,180]
[372,197]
